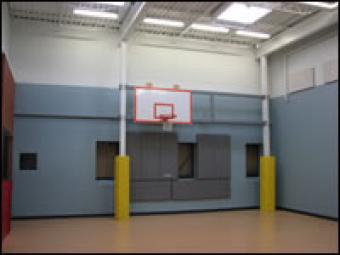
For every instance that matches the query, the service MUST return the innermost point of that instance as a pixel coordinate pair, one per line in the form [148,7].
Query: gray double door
[154,168]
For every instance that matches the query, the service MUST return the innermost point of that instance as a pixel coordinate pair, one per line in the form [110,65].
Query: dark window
[28,161]
[186,160]
[6,155]
[254,152]
[106,152]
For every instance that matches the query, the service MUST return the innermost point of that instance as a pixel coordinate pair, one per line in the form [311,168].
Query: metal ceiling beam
[131,20]
[307,27]
[194,45]
[208,10]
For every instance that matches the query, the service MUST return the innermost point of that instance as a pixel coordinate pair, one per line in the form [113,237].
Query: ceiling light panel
[209,28]
[164,22]
[111,3]
[97,14]
[241,13]
[322,4]
[252,34]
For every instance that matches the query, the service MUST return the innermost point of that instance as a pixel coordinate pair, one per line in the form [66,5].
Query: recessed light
[164,22]
[112,3]
[98,14]
[238,12]
[210,28]
[252,34]
[322,4]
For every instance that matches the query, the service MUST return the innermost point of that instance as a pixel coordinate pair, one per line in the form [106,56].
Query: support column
[267,162]
[265,105]
[123,82]
[122,162]
[122,188]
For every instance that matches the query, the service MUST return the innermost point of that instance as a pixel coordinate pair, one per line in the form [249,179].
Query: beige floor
[234,231]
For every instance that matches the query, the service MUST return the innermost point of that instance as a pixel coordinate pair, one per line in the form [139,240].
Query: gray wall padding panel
[201,189]
[133,148]
[158,153]
[153,156]
[150,191]
[305,143]
[213,159]
[168,155]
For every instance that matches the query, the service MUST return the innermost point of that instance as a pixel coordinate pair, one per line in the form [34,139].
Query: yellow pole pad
[267,184]
[122,188]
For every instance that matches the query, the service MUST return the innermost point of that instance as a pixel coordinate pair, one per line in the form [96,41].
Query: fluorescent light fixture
[112,3]
[238,12]
[209,28]
[252,34]
[164,22]
[323,4]
[98,14]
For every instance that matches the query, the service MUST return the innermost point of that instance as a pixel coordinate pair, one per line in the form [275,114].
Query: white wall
[50,54]
[309,53]
[5,28]
[193,69]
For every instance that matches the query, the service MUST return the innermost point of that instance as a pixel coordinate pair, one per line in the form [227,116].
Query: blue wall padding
[305,142]
[65,183]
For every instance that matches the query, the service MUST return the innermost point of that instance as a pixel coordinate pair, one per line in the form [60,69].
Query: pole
[265,106]
[123,83]
[267,162]
[122,162]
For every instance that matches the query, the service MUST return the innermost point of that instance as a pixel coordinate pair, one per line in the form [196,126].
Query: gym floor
[230,231]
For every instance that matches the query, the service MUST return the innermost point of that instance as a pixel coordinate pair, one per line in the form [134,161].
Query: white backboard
[151,103]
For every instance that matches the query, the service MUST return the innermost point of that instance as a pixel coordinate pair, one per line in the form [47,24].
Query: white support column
[123,83]
[285,70]
[265,105]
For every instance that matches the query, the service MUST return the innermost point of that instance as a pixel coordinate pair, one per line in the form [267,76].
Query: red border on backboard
[159,121]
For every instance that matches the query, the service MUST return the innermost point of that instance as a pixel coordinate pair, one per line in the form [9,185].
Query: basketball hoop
[162,106]
[167,126]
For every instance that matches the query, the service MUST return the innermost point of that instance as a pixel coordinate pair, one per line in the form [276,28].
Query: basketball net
[167,126]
